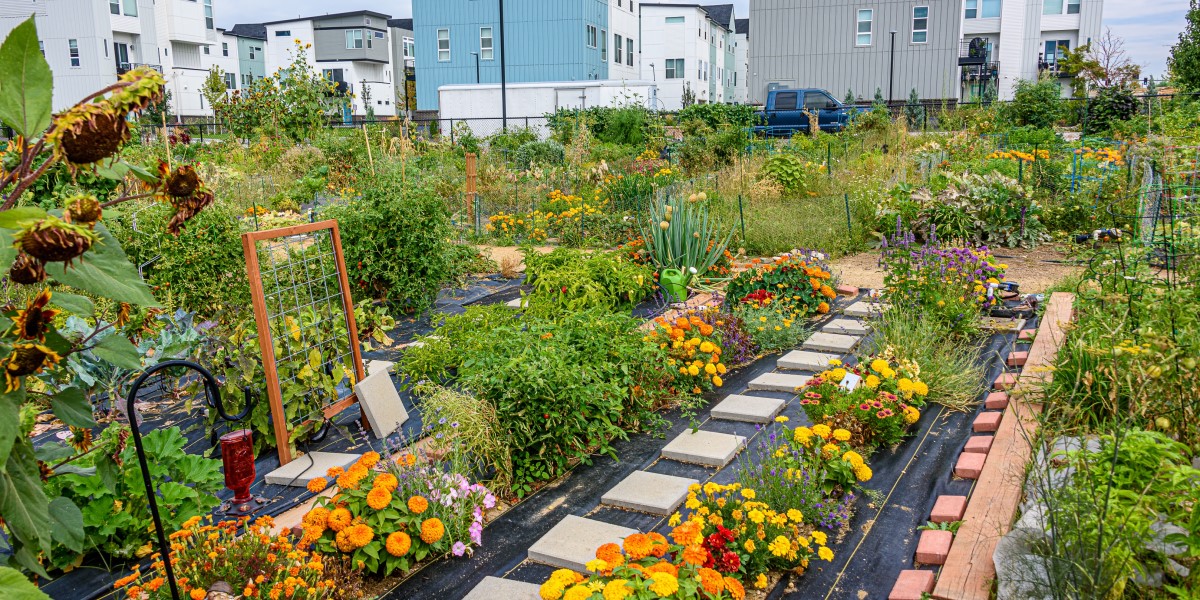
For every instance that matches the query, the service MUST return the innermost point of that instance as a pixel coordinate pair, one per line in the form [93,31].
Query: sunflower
[182,189]
[51,239]
[81,439]
[398,543]
[27,359]
[30,323]
[27,270]
[432,530]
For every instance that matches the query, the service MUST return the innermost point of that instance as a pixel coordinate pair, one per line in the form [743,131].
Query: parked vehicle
[786,112]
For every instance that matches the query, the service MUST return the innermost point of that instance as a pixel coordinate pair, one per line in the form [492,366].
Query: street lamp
[476,55]
[892,70]
[503,75]
[653,74]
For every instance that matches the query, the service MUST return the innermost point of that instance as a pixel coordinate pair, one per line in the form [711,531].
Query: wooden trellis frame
[263,315]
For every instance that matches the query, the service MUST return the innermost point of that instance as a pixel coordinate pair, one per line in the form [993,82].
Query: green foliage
[626,124]
[679,235]
[1184,61]
[914,111]
[991,209]
[389,216]
[535,152]
[717,115]
[567,280]
[213,89]
[789,171]
[850,98]
[296,102]
[949,364]
[1036,103]
[466,431]
[1110,106]
[25,82]
[507,141]
[771,328]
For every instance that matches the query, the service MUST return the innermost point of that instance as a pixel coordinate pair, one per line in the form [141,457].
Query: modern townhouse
[741,51]
[250,50]
[690,49]
[404,60]
[459,42]
[1005,41]
[352,49]
[223,56]
[187,32]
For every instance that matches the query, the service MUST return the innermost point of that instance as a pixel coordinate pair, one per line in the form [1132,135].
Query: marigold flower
[339,519]
[735,588]
[317,485]
[198,594]
[637,546]
[664,584]
[369,460]
[359,535]
[417,504]
[711,581]
[379,498]
[398,543]
[825,553]
[695,555]
[617,589]
[432,530]
[578,592]
[386,481]
[822,430]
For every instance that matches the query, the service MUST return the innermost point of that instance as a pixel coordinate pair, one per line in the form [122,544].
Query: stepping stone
[1017,359]
[987,422]
[381,403]
[912,584]
[969,465]
[378,365]
[706,448]
[846,326]
[979,444]
[1026,335]
[863,308]
[514,303]
[830,342]
[573,541]
[494,587]
[1005,381]
[751,409]
[647,492]
[778,382]
[948,509]
[847,290]
[934,546]
[996,401]
[301,471]
[803,360]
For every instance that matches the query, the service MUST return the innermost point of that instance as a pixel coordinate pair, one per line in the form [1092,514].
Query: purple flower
[458,549]
[489,501]
[476,533]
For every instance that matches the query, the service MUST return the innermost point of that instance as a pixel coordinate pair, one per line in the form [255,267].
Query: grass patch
[950,366]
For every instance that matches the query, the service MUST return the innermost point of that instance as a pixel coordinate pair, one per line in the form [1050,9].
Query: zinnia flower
[398,543]
[339,519]
[317,485]
[379,498]
[664,584]
[417,504]
[432,530]
[637,546]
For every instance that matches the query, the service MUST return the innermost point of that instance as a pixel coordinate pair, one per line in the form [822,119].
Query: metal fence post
[849,225]
[478,221]
[829,159]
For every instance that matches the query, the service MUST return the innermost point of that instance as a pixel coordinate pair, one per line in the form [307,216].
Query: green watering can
[674,284]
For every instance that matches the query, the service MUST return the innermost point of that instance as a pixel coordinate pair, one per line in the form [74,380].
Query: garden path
[1037,269]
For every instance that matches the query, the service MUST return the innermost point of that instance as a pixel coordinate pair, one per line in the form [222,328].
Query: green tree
[213,88]
[914,111]
[1184,62]
[879,97]
[849,99]
[689,96]
[1035,103]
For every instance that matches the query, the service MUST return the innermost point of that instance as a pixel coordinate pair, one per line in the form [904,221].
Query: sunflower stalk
[680,235]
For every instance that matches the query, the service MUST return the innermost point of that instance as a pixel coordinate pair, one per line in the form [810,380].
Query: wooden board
[969,568]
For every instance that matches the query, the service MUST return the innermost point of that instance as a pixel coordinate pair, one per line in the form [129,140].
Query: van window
[785,101]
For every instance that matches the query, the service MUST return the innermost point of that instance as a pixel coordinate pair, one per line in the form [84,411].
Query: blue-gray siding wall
[547,42]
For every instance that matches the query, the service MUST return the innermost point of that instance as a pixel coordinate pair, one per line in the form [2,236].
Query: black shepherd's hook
[213,391]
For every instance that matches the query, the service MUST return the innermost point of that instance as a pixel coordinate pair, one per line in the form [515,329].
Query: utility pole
[503,73]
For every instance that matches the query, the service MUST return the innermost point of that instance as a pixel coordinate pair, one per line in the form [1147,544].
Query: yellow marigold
[379,498]
[863,473]
[760,582]
[578,592]
[822,430]
[432,530]
[779,546]
[551,590]
[872,381]
[748,493]
[735,588]
[879,365]
[749,546]
[417,504]
[339,519]
[664,584]
[693,370]
[597,565]
[674,520]
[757,516]
[317,485]
[820,538]
[637,546]
[911,415]
[386,481]
[398,543]
[825,553]
[802,435]
[710,369]
[795,515]
[317,517]
[837,374]
[706,347]
[717,381]
[829,450]
[854,458]
[841,435]
[921,388]
[616,589]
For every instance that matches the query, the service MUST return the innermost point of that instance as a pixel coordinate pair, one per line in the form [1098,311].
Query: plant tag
[991,289]
[850,382]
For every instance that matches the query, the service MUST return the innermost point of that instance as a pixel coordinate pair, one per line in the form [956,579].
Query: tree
[1184,62]
[849,97]
[689,96]
[914,111]
[1107,64]
[214,88]
[879,97]
[1035,103]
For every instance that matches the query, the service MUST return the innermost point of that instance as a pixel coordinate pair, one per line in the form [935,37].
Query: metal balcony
[123,68]
[975,51]
[980,72]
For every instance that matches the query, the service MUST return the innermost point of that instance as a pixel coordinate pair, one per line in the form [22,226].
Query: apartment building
[690,47]
[1005,41]
[459,42]
[741,52]
[352,49]
[404,61]
[250,50]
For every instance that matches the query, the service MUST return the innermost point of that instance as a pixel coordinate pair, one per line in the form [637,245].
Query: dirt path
[509,255]
[1036,270]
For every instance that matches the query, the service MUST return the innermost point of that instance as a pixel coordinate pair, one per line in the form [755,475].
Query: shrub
[789,171]
[716,115]
[693,347]
[878,411]
[625,126]
[389,216]
[509,141]
[568,280]
[800,285]
[1037,103]
[1110,106]
[533,153]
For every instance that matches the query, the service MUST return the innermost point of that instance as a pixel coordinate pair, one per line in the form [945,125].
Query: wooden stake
[367,139]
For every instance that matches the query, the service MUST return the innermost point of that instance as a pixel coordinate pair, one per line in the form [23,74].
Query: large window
[354,39]
[629,51]
[486,51]
[224,48]
[73,50]
[591,36]
[283,33]
[1072,7]
[675,68]
[618,49]
[866,18]
[1056,49]
[443,39]
[982,9]
[230,81]
[209,23]
[671,20]
[920,25]
[410,47]
[1059,7]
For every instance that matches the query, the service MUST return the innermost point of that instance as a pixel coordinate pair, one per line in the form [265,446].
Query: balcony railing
[981,72]
[123,68]
[976,51]
[1054,69]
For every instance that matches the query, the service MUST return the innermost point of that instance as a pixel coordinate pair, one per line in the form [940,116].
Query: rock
[1020,574]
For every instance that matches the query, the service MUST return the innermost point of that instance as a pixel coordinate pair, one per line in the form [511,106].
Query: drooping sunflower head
[27,270]
[83,209]
[27,359]
[30,323]
[144,87]
[183,189]
[51,239]
[88,133]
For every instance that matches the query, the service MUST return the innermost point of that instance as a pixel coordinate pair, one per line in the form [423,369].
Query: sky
[1148,28]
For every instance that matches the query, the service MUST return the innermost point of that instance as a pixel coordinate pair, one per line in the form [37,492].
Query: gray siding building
[846,45]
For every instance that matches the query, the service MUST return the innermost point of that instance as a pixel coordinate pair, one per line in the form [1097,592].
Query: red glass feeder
[237,454]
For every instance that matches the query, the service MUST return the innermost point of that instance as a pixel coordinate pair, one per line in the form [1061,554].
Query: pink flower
[458,549]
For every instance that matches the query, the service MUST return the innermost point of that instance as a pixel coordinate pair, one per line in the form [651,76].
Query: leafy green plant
[535,152]
[579,281]
[790,171]
[466,431]
[949,363]
[1037,103]
[679,235]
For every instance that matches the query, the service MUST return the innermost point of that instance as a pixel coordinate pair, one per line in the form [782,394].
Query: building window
[129,7]
[73,48]
[208,15]
[920,25]
[224,48]
[675,68]
[114,7]
[485,44]
[409,48]
[1056,50]
[354,39]
[629,51]
[443,40]
[1072,7]
[866,17]
[603,46]
[618,49]
[673,20]
[283,33]
[230,81]
[206,50]
[1055,7]
[982,9]
[591,36]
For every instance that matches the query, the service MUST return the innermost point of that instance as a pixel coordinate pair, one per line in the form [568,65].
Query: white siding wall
[742,58]
[662,41]
[58,21]
[623,21]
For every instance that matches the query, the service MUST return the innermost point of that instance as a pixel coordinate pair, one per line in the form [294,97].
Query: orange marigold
[663,566]
[735,588]
[695,555]
[823,307]
[432,530]
[360,534]
[611,554]
[398,543]
[687,534]
[658,546]
[317,485]
[369,459]
[334,472]
[379,498]
[828,292]
[417,504]
[637,546]
[339,519]
[711,581]
[317,517]
[386,481]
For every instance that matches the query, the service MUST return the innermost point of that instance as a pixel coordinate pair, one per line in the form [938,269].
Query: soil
[509,255]
[1036,270]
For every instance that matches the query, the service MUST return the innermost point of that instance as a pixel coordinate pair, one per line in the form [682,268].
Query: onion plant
[680,235]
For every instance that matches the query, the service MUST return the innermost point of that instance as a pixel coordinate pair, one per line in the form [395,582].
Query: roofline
[708,16]
[331,16]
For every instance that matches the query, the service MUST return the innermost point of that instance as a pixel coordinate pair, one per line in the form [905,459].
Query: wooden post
[471,189]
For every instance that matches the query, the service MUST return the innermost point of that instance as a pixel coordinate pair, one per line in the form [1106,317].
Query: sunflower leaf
[106,272]
[80,306]
[26,85]
[72,406]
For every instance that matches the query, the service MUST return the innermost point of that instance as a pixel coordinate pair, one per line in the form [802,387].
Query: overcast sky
[1149,28]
